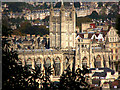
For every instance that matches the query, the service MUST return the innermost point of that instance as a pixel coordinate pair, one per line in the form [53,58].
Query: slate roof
[89,35]
[99,74]
[102,74]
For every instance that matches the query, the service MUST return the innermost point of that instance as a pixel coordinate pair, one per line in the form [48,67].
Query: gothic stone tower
[62,28]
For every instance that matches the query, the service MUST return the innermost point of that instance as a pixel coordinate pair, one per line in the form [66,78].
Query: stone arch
[47,62]
[66,62]
[38,62]
[29,62]
[46,58]
[84,61]
[58,57]
[39,58]
[57,66]
[98,61]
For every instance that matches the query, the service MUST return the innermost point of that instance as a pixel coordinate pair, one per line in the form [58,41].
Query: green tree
[24,29]
[14,75]
[58,5]
[113,11]
[77,5]
[27,28]
[100,4]
[16,21]
[94,15]
[6,30]
[81,20]
[117,25]
[74,80]
[17,32]
[103,11]
[18,6]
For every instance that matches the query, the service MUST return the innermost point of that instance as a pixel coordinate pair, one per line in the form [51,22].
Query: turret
[62,10]
[73,15]
[51,10]
[62,17]
[73,8]
[62,25]
[50,23]
[51,16]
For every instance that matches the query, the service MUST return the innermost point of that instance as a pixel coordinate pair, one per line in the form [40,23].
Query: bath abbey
[95,46]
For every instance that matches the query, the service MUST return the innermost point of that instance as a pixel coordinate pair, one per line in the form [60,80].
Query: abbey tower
[62,28]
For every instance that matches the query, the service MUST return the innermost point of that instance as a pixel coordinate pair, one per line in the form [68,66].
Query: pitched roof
[99,74]
[105,70]
[89,35]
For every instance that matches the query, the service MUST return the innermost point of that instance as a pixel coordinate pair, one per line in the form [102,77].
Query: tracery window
[29,62]
[38,63]
[66,62]
[57,66]
[47,62]
[84,61]
[98,61]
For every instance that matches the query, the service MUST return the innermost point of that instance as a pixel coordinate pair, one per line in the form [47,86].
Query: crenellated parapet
[28,42]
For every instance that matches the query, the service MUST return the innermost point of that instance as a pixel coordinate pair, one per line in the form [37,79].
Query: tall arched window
[38,62]
[98,61]
[47,62]
[57,66]
[29,62]
[84,61]
[66,62]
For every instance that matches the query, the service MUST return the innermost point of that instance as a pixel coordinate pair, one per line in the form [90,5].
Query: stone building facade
[62,28]
[99,48]
[94,47]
